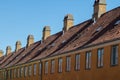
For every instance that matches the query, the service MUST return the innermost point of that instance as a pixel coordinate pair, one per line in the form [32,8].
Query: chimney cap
[46,28]
[1,51]
[69,17]
[8,47]
[100,1]
[30,36]
[18,42]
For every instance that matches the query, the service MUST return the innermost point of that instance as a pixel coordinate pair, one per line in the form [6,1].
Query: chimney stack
[30,40]
[18,46]
[68,22]
[46,32]
[8,50]
[99,8]
[1,53]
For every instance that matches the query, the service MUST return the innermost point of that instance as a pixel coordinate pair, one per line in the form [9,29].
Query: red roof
[106,28]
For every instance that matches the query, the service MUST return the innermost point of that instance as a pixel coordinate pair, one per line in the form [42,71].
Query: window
[5,75]
[77,62]
[35,67]
[18,73]
[114,55]
[99,28]
[30,70]
[26,69]
[88,60]
[10,74]
[21,72]
[68,63]
[60,65]
[40,68]
[100,57]
[14,73]
[52,66]
[46,67]
[117,22]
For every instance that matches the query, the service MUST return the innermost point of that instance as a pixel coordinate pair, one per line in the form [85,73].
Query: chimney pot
[30,40]
[8,50]
[46,32]
[68,22]
[99,8]
[1,53]
[18,46]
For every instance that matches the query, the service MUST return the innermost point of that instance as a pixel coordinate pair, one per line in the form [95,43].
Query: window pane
[60,65]
[52,66]
[40,68]
[22,72]
[14,73]
[68,60]
[114,55]
[30,70]
[88,60]
[46,67]
[100,57]
[26,69]
[10,74]
[18,72]
[35,69]
[77,60]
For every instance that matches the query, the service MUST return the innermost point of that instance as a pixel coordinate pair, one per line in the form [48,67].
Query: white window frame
[26,71]
[100,57]
[52,66]
[77,62]
[30,70]
[60,60]
[35,69]
[46,67]
[88,60]
[68,63]
[40,68]
[114,56]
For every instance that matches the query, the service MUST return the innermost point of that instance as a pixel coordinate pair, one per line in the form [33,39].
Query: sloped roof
[26,51]
[1,58]
[78,36]
[40,48]
[96,32]
[63,40]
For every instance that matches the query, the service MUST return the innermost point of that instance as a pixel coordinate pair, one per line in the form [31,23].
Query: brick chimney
[46,32]
[68,22]
[8,50]
[30,40]
[99,8]
[1,53]
[18,46]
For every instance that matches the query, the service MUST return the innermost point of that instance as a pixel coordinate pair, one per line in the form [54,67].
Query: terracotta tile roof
[40,48]
[64,39]
[1,58]
[111,31]
[95,31]
[13,57]
[79,36]
[24,53]
[6,58]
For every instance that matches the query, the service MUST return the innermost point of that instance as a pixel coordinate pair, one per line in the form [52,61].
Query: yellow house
[87,51]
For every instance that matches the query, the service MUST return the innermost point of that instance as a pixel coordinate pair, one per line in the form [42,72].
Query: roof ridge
[110,11]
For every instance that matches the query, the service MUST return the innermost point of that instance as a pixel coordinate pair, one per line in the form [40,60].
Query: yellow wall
[107,72]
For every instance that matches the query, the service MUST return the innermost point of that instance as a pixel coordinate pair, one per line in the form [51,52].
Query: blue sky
[19,18]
